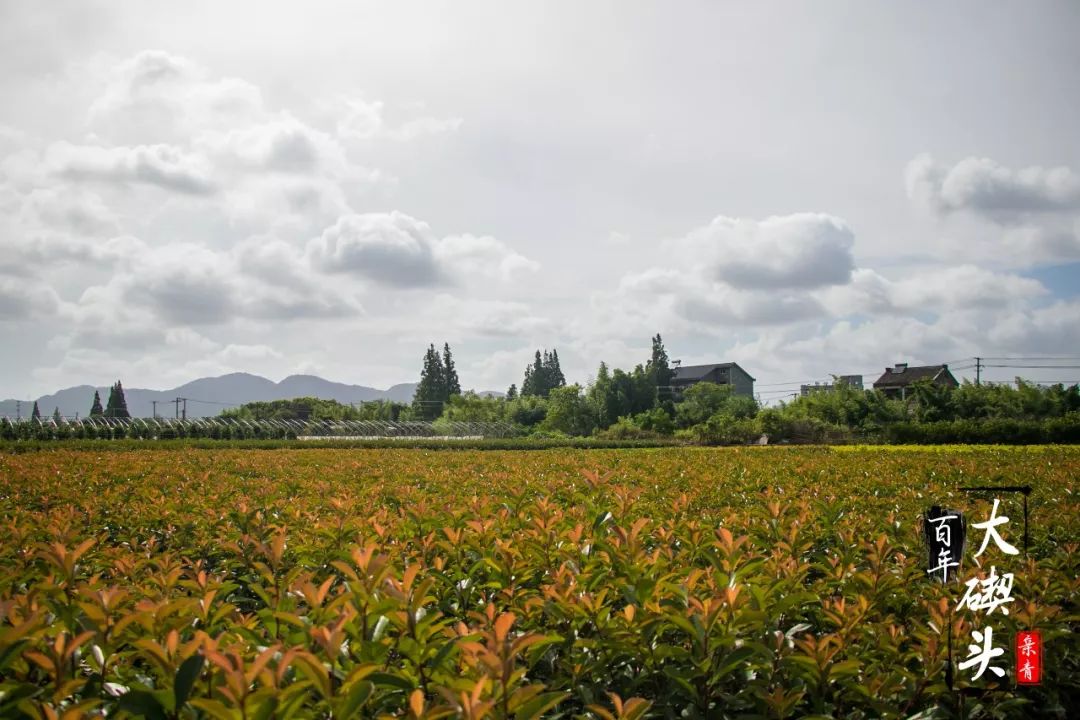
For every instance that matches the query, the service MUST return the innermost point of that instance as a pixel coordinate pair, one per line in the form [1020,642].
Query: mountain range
[209,396]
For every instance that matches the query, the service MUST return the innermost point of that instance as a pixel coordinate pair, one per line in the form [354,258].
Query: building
[896,381]
[720,373]
[853,381]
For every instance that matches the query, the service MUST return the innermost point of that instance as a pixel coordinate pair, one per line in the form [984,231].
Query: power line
[212,402]
[1036,367]
[1033,357]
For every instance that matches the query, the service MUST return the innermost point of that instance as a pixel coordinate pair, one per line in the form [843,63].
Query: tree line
[115,408]
[642,404]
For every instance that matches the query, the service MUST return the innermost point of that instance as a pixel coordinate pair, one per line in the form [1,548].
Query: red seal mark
[1028,657]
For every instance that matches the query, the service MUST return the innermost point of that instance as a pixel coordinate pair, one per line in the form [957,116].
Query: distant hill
[209,396]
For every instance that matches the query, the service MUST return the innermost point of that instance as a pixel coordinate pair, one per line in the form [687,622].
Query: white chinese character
[1027,670]
[944,563]
[1027,648]
[991,532]
[995,592]
[943,532]
[982,656]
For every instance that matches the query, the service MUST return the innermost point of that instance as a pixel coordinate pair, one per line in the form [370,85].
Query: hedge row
[1064,430]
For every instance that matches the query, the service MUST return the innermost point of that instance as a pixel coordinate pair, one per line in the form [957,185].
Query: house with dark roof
[720,373]
[855,382]
[896,381]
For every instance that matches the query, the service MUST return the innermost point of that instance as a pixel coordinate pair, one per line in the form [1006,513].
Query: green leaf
[356,696]
[734,659]
[680,678]
[214,708]
[186,675]
[843,669]
[265,709]
[806,663]
[442,654]
[12,696]
[142,703]
[11,651]
[539,705]
[394,681]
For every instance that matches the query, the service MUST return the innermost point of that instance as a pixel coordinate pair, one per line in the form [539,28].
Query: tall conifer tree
[543,375]
[431,392]
[453,385]
[555,374]
[95,409]
[659,371]
[116,407]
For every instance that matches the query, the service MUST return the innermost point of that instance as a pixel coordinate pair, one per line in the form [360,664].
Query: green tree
[534,383]
[602,398]
[383,410]
[471,407]
[431,393]
[453,385]
[543,375]
[637,390]
[302,408]
[511,392]
[36,414]
[569,412]
[932,402]
[116,407]
[701,401]
[527,410]
[56,415]
[95,409]
[556,378]
[660,373]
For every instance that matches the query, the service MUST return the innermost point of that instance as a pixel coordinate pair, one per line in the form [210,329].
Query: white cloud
[493,318]
[397,250]
[25,299]
[482,255]
[423,126]
[930,289]
[739,273]
[508,178]
[159,289]
[36,252]
[981,185]
[765,290]
[965,286]
[155,95]
[69,208]
[388,248]
[361,120]
[165,166]
[1016,217]
[365,121]
[804,250]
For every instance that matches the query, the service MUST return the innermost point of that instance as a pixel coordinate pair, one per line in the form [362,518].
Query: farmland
[670,582]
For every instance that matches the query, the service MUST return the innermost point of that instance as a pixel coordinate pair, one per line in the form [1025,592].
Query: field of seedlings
[668,583]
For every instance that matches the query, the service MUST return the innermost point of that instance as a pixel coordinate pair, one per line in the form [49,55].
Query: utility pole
[18,410]
[184,416]
[978,370]
[154,403]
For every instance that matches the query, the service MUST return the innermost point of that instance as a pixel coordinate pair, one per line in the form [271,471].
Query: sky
[806,189]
